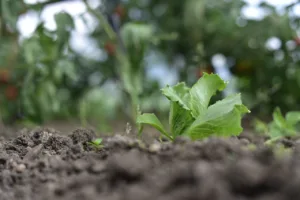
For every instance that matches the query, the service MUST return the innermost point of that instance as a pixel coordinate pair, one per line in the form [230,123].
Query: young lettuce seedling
[97,143]
[192,116]
[280,126]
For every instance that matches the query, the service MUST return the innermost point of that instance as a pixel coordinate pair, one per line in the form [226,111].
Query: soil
[46,164]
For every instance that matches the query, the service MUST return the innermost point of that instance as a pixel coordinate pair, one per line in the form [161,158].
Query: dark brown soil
[43,164]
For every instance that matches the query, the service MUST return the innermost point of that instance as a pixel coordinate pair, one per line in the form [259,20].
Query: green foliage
[49,67]
[8,11]
[280,126]
[97,143]
[136,38]
[188,34]
[93,108]
[192,116]
[267,77]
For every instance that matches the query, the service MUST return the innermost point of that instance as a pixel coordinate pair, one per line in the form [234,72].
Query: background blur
[98,60]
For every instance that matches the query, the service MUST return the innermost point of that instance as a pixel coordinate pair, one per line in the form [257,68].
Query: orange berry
[208,70]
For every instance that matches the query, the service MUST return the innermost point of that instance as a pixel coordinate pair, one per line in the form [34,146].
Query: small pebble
[20,168]
[155,147]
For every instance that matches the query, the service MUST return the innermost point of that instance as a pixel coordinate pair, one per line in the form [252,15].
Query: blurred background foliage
[44,77]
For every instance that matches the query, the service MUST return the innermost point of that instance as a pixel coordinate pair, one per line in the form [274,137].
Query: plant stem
[120,55]
[107,28]
[134,105]
[271,141]
[169,137]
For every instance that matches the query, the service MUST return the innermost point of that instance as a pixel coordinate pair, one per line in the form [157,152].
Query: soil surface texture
[46,164]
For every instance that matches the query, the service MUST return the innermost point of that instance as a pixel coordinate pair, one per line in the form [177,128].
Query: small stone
[20,168]
[156,147]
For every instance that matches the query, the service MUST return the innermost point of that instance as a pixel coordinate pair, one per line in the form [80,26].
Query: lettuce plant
[192,116]
[280,126]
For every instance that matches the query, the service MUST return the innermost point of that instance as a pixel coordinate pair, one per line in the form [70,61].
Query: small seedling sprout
[97,143]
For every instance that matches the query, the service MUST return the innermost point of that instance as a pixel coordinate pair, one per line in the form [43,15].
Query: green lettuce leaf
[282,124]
[152,120]
[293,118]
[275,131]
[279,119]
[180,119]
[180,114]
[281,127]
[222,119]
[178,93]
[203,90]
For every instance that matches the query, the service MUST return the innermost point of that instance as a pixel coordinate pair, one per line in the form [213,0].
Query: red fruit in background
[120,11]
[110,48]
[208,70]
[11,92]
[4,76]
[297,41]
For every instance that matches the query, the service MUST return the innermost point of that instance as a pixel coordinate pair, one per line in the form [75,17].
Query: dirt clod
[82,136]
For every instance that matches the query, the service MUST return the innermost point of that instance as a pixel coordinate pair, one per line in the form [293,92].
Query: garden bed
[45,164]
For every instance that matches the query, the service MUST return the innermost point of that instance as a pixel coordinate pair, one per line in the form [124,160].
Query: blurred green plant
[280,127]
[48,71]
[42,77]
[206,28]
[128,47]
[95,109]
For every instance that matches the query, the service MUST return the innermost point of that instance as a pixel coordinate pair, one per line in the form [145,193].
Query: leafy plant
[137,38]
[191,115]
[97,143]
[280,126]
[47,70]
[127,46]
